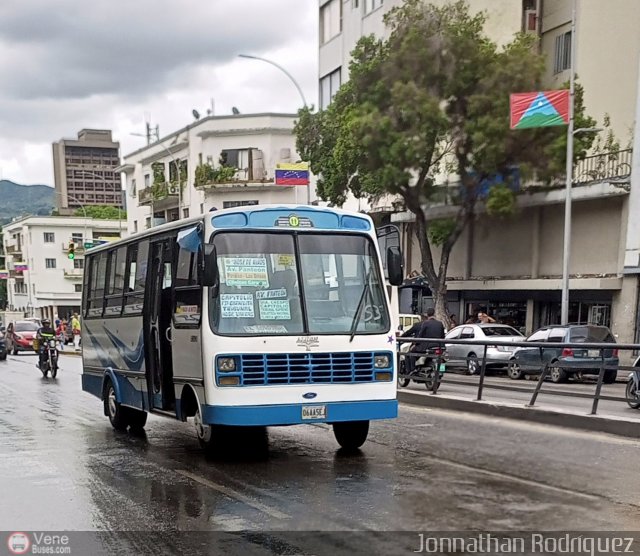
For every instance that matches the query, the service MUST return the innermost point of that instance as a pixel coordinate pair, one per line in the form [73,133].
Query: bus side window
[98,278]
[187,293]
[115,281]
[86,284]
[137,260]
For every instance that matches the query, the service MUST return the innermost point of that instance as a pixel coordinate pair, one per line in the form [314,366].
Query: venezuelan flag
[292,174]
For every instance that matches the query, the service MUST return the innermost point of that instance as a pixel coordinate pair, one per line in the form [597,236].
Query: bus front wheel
[351,434]
[203,431]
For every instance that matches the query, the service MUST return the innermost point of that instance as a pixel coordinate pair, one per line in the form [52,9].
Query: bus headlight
[226,364]
[381,362]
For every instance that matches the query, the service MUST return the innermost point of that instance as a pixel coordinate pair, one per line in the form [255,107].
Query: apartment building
[41,278]
[215,162]
[84,171]
[513,267]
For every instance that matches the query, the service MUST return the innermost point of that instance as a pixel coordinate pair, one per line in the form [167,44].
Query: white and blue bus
[244,317]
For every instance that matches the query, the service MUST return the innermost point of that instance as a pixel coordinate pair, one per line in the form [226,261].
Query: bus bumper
[291,414]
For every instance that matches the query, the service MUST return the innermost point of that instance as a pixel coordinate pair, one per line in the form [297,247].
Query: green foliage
[102,212]
[441,230]
[501,201]
[432,98]
[208,174]
[158,172]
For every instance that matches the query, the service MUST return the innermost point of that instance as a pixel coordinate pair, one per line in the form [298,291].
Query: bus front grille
[306,368]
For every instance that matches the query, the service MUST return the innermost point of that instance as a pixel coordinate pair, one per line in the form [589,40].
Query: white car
[470,355]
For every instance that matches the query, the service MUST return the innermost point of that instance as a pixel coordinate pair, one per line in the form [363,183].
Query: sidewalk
[613,417]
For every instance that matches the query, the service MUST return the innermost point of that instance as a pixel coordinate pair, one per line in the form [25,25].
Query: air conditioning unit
[173,189]
[530,21]
[285,155]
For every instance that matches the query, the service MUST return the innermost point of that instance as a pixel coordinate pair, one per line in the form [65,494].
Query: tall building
[84,171]
[41,279]
[513,267]
[218,161]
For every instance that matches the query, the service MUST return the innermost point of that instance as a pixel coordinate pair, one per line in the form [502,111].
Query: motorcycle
[424,370]
[632,391]
[48,364]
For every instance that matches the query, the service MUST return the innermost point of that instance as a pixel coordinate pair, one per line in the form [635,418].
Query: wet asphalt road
[62,467]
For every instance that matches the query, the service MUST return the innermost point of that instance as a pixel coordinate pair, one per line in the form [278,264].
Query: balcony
[13,249]
[74,273]
[157,193]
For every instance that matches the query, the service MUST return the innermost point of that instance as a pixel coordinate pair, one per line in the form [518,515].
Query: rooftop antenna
[235,111]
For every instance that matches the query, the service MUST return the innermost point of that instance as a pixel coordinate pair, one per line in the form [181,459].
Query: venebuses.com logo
[18,543]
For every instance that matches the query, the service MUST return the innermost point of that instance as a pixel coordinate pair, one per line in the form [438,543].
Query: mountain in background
[21,200]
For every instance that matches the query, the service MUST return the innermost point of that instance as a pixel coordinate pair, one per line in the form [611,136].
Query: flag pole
[566,256]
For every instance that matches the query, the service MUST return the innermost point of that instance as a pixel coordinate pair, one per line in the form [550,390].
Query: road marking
[229,492]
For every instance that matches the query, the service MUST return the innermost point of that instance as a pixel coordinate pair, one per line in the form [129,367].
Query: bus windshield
[281,284]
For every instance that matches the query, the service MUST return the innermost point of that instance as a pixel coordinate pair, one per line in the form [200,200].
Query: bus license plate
[314,412]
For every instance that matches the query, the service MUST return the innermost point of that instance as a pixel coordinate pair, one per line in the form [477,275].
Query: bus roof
[230,211]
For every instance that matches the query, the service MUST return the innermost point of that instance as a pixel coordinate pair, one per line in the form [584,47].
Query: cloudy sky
[112,63]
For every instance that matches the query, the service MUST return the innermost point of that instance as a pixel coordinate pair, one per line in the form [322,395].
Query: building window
[370,5]
[329,85]
[77,288]
[148,222]
[147,180]
[201,208]
[49,237]
[133,187]
[185,213]
[77,238]
[330,20]
[135,226]
[78,263]
[232,204]
[563,53]
[50,263]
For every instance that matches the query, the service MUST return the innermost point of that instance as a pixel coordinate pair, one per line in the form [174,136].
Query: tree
[102,212]
[433,99]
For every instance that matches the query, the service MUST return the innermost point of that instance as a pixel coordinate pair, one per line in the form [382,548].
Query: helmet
[45,322]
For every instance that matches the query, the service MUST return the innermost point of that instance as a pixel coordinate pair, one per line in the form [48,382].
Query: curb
[73,353]
[594,423]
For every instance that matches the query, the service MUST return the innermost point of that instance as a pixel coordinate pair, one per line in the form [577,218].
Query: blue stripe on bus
[291,414]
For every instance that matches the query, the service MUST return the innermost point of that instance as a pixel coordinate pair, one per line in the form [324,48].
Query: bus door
[186,342]
[158,325]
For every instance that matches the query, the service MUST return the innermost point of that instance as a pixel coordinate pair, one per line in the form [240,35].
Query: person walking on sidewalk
[75,331]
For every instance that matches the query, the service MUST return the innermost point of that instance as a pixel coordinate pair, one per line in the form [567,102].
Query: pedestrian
[75,331]
[60,333]
[483,318]
[454,321]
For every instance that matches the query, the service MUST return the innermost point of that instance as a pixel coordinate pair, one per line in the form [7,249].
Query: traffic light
[72,251]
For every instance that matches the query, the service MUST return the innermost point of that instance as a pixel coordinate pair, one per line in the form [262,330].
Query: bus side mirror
[394,266]
[210,272]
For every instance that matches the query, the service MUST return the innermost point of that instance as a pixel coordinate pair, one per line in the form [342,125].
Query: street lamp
[304,101]
[250,57]
[84,211]
[94,176]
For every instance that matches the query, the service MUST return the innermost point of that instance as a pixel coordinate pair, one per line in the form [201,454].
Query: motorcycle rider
[413,332]
[43,335]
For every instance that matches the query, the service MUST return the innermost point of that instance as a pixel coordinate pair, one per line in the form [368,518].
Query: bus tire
[137,419]
[204,432]
[351,434]
[118,415]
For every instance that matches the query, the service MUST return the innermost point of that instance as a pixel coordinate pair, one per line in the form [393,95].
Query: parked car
[566,362]
[470,355]
[20,335]
[3,345]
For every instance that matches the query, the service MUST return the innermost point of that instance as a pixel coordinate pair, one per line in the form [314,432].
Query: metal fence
[598,366]
[604,166]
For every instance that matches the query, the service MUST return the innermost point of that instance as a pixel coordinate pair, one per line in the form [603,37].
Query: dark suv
[566,362]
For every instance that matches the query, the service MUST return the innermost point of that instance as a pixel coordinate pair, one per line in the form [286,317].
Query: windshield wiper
[356,317]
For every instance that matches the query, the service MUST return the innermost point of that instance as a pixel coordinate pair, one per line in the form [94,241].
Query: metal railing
[597,366]
[604,166]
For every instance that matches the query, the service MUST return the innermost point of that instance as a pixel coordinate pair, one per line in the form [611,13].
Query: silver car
[469,355]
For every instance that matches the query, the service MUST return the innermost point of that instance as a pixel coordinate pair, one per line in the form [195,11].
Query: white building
[42,279]
[251,143]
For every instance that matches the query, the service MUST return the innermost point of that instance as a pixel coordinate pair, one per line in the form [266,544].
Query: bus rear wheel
[117,414]
[351,434]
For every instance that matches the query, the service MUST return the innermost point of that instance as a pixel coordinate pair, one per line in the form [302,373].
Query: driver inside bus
[44,333]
